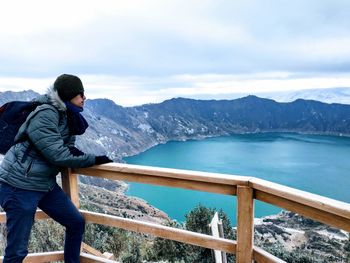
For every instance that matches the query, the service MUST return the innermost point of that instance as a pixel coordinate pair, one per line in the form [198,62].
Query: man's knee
[77,224]
[28,209]
[81,223]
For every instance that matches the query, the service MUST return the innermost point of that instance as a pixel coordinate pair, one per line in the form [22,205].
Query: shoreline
[204,137]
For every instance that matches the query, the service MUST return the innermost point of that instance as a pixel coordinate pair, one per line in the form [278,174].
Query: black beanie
[68,86]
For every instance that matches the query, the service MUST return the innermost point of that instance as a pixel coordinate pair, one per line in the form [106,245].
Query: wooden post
[245,224]
[70,185]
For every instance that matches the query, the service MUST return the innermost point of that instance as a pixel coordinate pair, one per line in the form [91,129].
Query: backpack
[12,115]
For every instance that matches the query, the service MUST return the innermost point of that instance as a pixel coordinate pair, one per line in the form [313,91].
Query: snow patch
[103,140]
[331,235]
[189,131]
[145,128]
[292,230]
[117,132]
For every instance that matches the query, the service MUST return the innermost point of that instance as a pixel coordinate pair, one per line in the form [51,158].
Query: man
[44,146]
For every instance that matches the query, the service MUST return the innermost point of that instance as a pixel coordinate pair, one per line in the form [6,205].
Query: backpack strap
[31,145]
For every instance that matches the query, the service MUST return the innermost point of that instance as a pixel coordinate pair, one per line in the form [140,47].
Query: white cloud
[329,48]
[19,84]
[175,48]
[26,17]
[255,83]
[135,90]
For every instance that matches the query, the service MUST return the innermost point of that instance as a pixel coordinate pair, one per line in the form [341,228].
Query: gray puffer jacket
[34,167]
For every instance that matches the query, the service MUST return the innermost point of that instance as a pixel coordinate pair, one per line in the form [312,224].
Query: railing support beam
[245,224]
[70,185]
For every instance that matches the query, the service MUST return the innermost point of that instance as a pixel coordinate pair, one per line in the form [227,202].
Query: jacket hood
[51,97]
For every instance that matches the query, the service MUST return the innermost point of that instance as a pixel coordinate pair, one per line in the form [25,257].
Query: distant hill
[123,131]
[331,95]
[245,115]
[22,95]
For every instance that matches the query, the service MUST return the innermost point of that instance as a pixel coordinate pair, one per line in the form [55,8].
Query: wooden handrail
[161,231]
[262,256]
[325,210]
[193,180]
[319,208]
[304,198]
[38,216]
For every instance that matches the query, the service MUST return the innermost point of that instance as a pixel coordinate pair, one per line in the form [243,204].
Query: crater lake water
[313,163]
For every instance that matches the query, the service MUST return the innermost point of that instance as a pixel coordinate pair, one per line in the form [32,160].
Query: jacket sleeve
[43,132]
[71,142]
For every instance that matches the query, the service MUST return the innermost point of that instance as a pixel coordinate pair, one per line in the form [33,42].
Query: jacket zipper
[28,169]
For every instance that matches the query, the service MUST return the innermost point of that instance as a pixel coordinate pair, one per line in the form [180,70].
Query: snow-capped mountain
[332,95]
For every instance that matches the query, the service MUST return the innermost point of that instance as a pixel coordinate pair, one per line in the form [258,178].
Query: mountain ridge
[124,131]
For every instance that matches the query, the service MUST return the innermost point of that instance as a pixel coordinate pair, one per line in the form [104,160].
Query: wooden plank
[229,179]
[38,216]
[42,257]
[86,248]
[213,182]
[261,256]
[162,231]
[70,185]
[245,224]
[320,215]
[86,258]
[163,181]
[312,200]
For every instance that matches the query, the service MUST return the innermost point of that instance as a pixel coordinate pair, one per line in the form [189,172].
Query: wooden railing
[247,189]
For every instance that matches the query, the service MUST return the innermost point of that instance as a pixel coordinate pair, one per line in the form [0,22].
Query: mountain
[22,95]
[185,117]
[331,95]
[127,131]
[123,131]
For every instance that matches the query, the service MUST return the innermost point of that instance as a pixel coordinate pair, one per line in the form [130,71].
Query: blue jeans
[20,206]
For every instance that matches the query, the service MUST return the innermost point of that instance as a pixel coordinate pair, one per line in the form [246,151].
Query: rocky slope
[115,202]
[294,237]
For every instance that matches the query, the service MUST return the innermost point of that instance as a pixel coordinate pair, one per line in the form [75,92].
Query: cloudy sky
[138,52]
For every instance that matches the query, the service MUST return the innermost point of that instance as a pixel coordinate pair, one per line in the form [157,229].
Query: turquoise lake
[317,164]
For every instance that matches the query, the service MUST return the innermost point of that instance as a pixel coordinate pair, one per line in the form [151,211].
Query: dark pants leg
[58,206]
[20,206]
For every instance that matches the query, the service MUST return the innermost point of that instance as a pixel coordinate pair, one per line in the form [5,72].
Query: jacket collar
[55,99]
